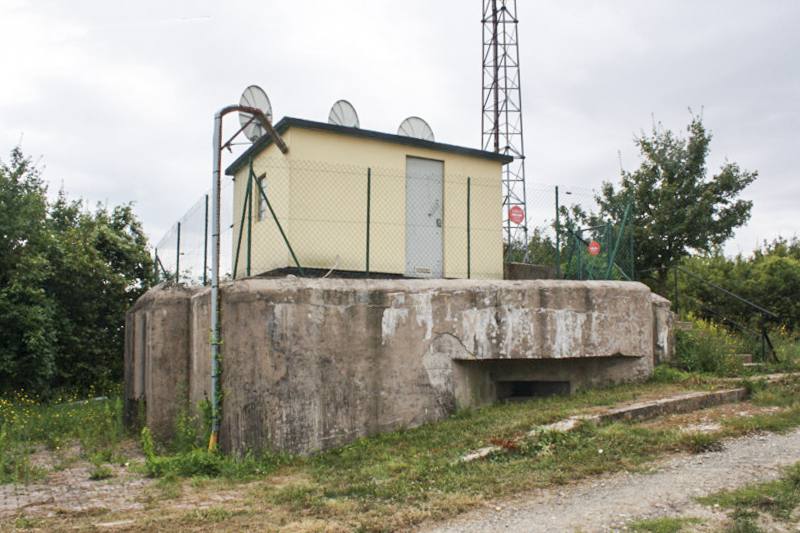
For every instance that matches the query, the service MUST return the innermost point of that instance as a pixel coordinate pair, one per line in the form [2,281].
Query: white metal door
[424,220]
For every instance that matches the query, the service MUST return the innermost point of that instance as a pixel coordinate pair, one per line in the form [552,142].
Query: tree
[67,277]
[769,278]
[27,344]
[677,208]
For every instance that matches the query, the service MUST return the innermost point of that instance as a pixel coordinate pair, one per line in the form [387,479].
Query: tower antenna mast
[501,122]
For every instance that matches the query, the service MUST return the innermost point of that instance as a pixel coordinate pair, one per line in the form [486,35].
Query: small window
[262,204]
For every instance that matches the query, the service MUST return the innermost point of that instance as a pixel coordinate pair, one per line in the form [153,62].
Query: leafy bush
[710,349]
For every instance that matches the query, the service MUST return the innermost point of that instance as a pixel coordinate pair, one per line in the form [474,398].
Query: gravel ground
[609,502]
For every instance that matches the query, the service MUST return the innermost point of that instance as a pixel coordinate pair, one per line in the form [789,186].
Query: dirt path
[607,503]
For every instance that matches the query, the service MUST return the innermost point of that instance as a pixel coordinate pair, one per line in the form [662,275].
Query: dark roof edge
[287,122]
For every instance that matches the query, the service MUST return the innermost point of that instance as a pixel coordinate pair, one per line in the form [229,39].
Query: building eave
[288,122]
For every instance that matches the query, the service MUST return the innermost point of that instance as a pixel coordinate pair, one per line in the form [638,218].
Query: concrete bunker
[311,364]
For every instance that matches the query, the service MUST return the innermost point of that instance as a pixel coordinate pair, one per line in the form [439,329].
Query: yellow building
[360,201]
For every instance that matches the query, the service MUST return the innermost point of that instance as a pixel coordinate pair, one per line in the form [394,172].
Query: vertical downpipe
[369,198]
[469,228]
[215,329]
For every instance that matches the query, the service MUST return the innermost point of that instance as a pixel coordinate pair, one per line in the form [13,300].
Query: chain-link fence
[317,219]
[600,251]
[314,219]
[184,252]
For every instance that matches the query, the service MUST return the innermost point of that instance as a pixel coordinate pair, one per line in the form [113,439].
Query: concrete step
[682,403]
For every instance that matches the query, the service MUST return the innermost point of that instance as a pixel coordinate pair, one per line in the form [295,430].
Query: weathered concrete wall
[663,330]
[157,330]
[311,364]
[520,271]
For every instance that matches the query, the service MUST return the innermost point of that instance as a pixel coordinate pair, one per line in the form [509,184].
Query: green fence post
[280,228]
[178,257]
[633,259]
[609,258]
[469,228]
[155,265]
[369,197]
[677,305]
[249,226]
[247,194]
[558,239]
[205,247]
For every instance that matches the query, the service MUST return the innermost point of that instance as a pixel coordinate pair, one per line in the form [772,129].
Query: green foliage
[661,525]
[667,374]
[709,349]
[777,498]
[769,278]
[192,458]
[67,276]
[25,421]
[678,208]
[101,472]
[702,442]
[541,249]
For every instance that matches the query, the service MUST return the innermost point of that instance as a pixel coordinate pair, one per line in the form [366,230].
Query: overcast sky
[118,98]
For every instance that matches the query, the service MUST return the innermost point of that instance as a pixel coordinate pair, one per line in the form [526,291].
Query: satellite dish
[254,96]
[343,114]
[416,127]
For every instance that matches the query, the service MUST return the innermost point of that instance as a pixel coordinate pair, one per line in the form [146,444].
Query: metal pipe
[369,197]
[469,226]
[215,330]
[215,246]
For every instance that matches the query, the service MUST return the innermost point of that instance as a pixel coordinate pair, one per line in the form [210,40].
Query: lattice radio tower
[501,123]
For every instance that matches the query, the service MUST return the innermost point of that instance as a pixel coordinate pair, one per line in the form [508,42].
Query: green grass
[397,479]
[661,525]
[779,499]
[709,349]
[26,423]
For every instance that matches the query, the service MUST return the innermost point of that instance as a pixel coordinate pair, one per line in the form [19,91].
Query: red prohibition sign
[594,248]
[516,214]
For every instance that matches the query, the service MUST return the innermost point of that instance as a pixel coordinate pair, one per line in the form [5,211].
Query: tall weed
[710,349]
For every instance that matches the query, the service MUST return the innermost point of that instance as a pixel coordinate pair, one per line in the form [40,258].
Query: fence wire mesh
[313,219]
[183,254]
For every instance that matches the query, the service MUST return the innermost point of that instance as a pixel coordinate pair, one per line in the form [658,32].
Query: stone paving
[71,490]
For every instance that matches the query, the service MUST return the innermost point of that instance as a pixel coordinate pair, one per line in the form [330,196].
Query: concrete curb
[683,403]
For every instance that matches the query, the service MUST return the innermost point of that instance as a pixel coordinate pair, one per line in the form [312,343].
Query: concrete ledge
[677,404]
[684,403]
